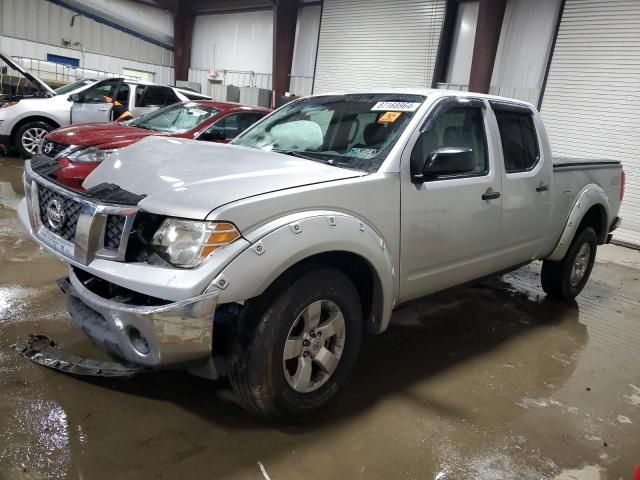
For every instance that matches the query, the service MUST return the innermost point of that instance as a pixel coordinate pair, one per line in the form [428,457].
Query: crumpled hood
[189,179]
[104,135]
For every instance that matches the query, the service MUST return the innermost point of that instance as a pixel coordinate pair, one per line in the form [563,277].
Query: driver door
[450,224]
[95,103]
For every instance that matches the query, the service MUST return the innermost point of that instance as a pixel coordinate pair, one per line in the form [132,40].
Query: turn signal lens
[223,234]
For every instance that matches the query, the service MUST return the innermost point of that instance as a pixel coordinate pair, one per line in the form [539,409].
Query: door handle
[542,188]
[104,109]
[490,195]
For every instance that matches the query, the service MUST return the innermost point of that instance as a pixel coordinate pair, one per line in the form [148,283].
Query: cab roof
[432,92]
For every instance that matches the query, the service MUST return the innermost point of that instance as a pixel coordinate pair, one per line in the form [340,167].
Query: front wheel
[566,278]
[296,345]
[29,136]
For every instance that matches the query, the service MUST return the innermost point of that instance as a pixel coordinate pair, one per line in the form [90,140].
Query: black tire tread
[555,274]
[252,391]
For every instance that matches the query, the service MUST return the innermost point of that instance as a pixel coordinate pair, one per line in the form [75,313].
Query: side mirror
[447,161]
[215,134]
[74,97]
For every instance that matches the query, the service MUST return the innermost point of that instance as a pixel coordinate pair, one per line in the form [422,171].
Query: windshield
[70,87]
[177,118]
[351,131]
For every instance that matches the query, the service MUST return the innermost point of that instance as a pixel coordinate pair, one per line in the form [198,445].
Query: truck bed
[570,177]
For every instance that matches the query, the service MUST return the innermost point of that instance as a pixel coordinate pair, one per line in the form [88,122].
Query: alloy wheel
[314,346]
[31,139]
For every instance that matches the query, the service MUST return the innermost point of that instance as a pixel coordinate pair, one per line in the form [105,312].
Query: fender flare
[283,243]
[589,196]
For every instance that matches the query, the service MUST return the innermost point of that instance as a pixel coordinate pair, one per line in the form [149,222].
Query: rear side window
[236,123]
[519,140]
[157,97]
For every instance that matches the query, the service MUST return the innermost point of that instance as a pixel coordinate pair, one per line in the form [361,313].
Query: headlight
[187,243]
[90,155]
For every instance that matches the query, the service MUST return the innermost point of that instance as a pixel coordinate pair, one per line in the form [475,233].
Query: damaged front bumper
[153,336]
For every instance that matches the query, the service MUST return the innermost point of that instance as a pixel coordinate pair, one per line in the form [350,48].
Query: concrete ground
[487,382]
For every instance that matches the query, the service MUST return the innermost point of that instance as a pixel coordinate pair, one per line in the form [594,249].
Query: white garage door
[591,102]
[365,43]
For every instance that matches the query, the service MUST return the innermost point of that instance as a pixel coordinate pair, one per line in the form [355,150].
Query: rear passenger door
[450,224]
[526,183]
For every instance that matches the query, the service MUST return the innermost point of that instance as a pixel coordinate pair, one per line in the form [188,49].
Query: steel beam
[488,27]
[183,20]
[285,16]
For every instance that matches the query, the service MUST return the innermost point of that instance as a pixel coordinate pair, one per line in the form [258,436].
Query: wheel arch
[591,209]
[31,118]
[330,239]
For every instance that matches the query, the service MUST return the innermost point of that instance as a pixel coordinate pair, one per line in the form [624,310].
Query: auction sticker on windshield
[395,107]
[389,117]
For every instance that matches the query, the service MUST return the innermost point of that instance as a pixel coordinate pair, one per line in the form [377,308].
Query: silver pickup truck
[268,260]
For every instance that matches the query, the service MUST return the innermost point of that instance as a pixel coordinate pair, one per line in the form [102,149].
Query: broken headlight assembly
[187,243]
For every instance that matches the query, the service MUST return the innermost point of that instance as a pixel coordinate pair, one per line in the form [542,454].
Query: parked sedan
[79,149]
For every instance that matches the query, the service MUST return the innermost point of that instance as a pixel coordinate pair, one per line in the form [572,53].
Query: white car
[26,119]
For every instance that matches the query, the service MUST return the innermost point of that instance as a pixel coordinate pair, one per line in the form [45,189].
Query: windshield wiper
[140,126]
[333,159]
[299,154]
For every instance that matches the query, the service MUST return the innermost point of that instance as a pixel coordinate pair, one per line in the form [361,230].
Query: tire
[275,388]
[29,136]
[566,278]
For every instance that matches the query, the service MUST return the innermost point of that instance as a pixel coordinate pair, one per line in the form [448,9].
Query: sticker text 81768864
[395,107]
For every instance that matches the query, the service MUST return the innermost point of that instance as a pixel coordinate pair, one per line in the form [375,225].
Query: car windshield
[177,118]
[351,131]
[70,87]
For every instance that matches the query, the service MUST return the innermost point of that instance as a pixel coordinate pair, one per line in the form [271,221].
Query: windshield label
[395,107]
[389,117]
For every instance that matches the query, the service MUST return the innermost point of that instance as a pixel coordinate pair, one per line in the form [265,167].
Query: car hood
[104,135]
[35,80]
[189,179]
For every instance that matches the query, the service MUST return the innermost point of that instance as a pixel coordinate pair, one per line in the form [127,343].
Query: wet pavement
[486,382]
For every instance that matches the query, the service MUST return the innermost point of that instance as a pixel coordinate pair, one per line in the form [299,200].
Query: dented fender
[281,244]
[589,196]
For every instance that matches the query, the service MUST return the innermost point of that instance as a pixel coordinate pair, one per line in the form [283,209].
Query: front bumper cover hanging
[41,349]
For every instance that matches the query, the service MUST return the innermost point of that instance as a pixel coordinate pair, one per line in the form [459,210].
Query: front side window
[351,131]
[519,142]
[102,92]
[458,127]
[178,118]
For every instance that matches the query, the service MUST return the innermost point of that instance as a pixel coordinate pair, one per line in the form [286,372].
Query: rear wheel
[566,278]
[29,136]
[296,345]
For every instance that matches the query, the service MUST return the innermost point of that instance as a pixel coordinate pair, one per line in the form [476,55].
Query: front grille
[51,149]
[66,228]
[113,231]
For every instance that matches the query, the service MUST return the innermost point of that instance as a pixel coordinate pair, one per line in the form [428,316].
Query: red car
[79,149]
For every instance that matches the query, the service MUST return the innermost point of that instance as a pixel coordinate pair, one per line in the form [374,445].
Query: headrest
[374,133]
